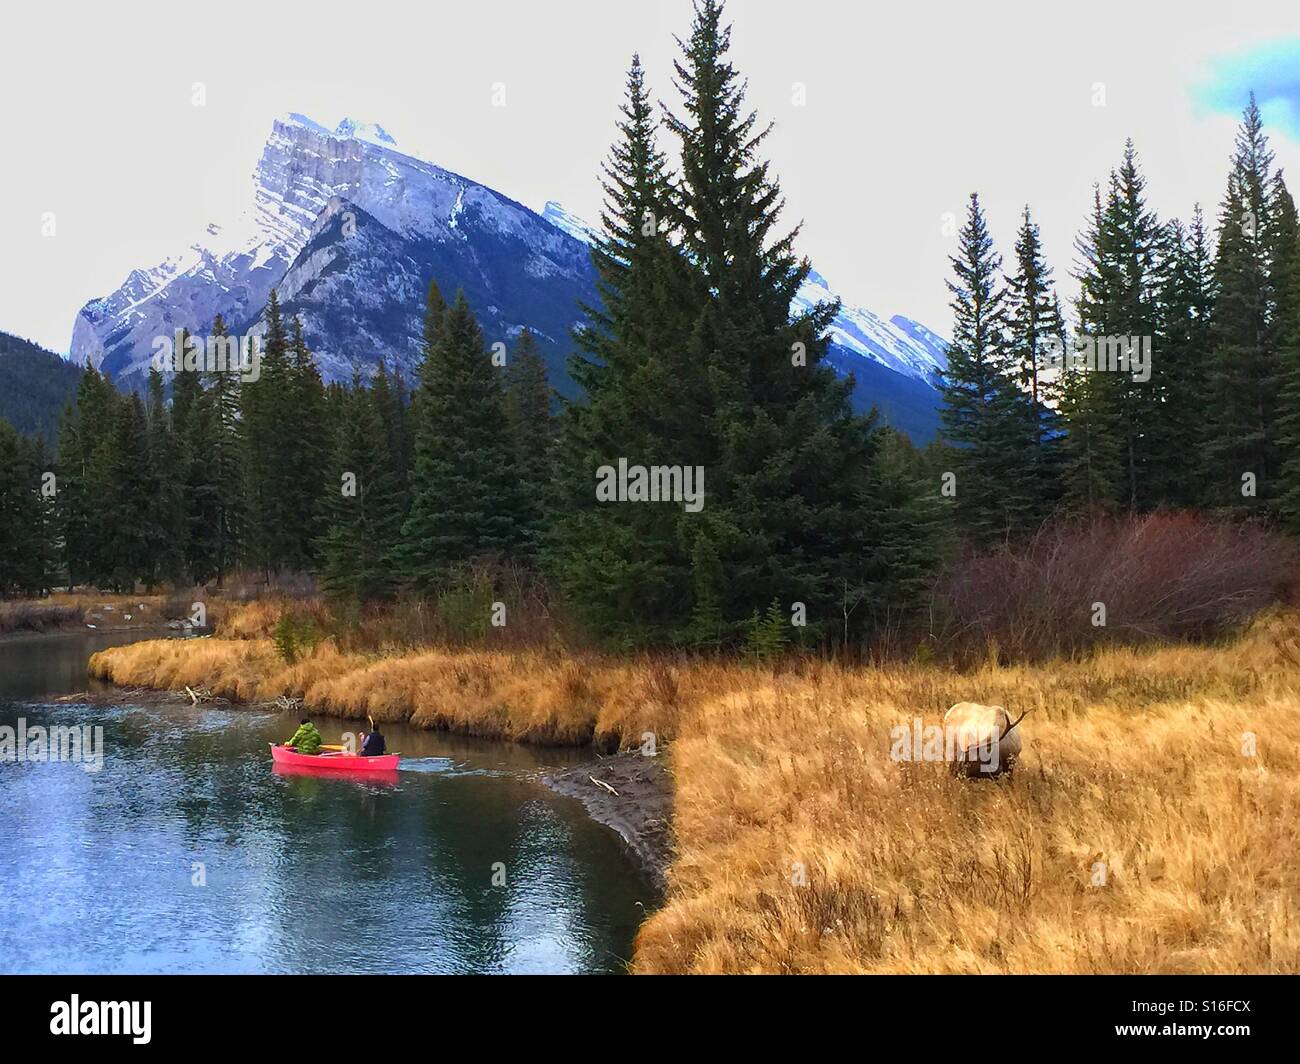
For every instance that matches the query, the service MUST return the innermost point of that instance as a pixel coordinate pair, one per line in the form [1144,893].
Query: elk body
[981,740]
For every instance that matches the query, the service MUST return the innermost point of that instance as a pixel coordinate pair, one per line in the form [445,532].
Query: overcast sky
[909,108]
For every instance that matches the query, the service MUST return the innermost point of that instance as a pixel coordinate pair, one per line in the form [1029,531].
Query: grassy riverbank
[1148,828]
[64,610]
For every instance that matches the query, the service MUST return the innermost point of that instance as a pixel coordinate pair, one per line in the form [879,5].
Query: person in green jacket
[306,740]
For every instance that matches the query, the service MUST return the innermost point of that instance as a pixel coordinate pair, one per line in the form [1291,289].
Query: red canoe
[341,762]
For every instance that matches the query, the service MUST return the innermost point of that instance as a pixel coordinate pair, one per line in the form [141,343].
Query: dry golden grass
[531,696]
[257,618]
[1134,836]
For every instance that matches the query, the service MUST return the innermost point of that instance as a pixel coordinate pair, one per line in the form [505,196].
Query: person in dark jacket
[372,744]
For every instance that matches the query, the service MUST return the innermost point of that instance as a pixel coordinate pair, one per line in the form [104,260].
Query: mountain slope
[510,262]
[359,285]
[350,230]
[894,363]
[35,385]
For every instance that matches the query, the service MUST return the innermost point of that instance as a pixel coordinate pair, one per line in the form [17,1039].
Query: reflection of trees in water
[310,874]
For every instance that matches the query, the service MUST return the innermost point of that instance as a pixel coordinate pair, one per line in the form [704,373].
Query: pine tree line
[279,475]
[696,365]
[1211,421]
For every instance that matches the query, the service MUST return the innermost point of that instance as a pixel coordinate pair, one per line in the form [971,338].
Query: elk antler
[1011,726]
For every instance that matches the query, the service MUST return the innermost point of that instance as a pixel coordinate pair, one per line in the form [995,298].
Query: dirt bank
[631,794]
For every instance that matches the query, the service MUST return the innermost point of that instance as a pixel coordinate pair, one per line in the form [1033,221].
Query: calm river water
[187,852]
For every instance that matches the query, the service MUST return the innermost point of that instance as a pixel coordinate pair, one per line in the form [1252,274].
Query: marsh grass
[1150,825]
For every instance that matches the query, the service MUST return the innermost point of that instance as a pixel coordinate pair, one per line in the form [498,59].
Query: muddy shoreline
[636,801]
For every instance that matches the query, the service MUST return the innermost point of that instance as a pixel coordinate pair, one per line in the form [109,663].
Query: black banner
[382,1013]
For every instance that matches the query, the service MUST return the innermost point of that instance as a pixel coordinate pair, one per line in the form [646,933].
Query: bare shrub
[1161,576]
[38,616]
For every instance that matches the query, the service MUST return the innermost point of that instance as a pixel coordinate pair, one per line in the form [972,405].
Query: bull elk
[981,740]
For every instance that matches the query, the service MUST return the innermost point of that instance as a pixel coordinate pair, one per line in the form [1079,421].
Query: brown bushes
[1163,576]
[38,616]
[257,619]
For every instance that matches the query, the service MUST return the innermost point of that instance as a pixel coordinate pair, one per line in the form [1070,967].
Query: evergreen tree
[468,501]
[270,542]
[307,446]
[25,545]
[700,363]
[83,480]
[986,415]
[1284,284]
[163,503]
[361,507]
[130,539]
[222,453]
[1090,401]
[623,567]
[1185,302]
[908,534]
[1242,456]
[188,419]
[528,412]
[1035,331]
[391,404]
[1122,310]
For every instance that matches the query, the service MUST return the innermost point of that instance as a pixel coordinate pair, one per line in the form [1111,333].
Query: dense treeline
[35,385]
[713,486]
[1189,394]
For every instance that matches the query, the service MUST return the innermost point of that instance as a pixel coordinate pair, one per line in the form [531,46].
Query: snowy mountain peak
[568,222]
[371,132]
[519,269]
[350,229]
[293,118]
[899,344]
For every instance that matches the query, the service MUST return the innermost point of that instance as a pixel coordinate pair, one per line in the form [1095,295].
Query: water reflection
[187,852]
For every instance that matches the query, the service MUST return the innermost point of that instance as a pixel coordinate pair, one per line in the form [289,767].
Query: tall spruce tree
[468,501]
[390,402]
[792,466]
[163,504]
[1185,299]
[528,413]
[25,532]
[1287,288]
[270,542]
[130,537]
[307,447]
[1092,479]
[986,414]
[1035,331]
[1244,377]
[188,429]
[222,452]
[1122,311]
[83,479]
[704,364]
[361,507]
[622,568]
